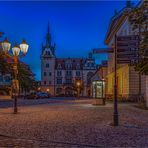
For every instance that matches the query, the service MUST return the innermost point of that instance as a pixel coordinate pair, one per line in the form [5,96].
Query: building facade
[59,75]
[127,78]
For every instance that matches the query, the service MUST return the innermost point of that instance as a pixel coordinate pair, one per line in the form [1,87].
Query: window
[7,79]
[77,73]
[59,66]
[92,64]
[44,82]
[44,73]
[47,65]
[59,73]
[68,81]
[50,73]
[69,66]
[78,66]
[1,78]
[68,73]
[49,82]
[59,81]
[48,52]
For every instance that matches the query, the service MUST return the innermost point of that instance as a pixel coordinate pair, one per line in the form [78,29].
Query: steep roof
[116,22]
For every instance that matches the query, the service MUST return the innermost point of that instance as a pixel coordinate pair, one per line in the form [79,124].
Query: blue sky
[76,27]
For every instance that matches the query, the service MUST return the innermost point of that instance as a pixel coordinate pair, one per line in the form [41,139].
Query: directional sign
[102,50]
[127,49]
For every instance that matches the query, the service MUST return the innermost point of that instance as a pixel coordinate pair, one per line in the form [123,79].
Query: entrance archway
[69,91]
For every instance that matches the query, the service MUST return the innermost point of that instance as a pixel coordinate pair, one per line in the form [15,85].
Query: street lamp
[78,84]
[18,52]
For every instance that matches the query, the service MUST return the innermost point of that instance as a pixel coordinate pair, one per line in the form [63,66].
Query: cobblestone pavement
[73,124]
[17,143]
[27,102]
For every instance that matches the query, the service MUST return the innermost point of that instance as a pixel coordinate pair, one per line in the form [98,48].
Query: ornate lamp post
[18,52]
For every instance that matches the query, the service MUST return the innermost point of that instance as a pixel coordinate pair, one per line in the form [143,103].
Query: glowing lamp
[24,47]
[6,45]
[78,83]
[16,50]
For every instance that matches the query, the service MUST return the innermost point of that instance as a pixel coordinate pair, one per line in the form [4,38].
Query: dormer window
[69,66]
[59,66]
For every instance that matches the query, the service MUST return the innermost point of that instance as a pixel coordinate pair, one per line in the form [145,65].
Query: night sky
[76,27]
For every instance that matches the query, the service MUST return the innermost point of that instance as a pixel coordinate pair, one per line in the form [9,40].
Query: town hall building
[59,76]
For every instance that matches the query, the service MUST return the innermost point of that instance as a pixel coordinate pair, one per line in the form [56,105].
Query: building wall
[122,82]
[133,83]
[51,80]
[47,73]
[128,80]
[127,83]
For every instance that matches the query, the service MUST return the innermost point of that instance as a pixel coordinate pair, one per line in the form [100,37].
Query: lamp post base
[15,105]
[116,121]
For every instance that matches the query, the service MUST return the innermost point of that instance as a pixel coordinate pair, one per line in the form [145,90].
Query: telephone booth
[98,91]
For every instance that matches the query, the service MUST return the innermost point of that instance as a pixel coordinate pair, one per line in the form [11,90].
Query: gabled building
[59,75]
[127,78]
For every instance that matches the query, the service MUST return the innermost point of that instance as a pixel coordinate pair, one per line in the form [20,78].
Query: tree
[5,66]
[139,21]
[26,77]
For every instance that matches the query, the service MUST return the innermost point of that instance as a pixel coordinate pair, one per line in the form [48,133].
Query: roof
[73,61]
[118,20]
[115,22]
[76,63]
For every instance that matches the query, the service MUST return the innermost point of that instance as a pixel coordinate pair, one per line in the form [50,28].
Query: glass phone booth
[98,91]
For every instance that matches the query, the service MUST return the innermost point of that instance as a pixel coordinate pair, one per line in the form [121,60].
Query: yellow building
[127,83]
[127,78]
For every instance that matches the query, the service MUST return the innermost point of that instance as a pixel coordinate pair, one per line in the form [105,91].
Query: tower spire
[48,37]
[48,30]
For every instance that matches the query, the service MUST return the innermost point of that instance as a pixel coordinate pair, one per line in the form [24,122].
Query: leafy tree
[139,21]
[5,67]
[26,77]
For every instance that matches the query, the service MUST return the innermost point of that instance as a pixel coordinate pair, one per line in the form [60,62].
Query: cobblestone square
[73,123]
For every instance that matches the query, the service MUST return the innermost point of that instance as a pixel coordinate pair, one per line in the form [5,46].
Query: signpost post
[115,116]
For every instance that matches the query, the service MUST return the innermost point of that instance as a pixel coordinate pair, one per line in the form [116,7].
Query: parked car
[42,95]
[31,96]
